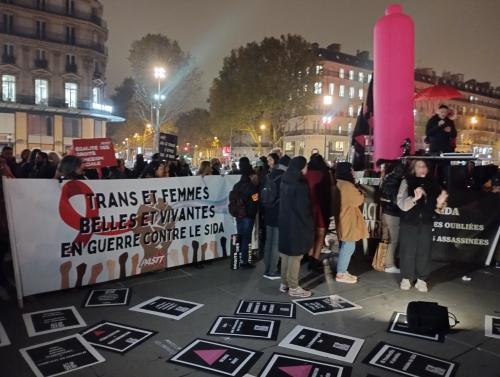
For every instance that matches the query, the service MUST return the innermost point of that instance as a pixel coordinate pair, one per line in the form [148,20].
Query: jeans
[391,234]
[346,250]
[290,269]
[271,255]
[415,251]
[244,226]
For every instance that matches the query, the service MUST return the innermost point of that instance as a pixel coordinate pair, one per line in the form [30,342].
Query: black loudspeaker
[428,318]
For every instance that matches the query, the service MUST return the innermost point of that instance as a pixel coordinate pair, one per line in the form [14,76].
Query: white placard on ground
[492,326]
[60,356]
[167,307]
[52,320]
[323,343]
[326,304]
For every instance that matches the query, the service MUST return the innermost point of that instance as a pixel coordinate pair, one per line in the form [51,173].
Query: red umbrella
[438,92]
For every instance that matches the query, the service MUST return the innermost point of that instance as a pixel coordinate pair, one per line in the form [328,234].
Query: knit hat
[297,163]
[285,160]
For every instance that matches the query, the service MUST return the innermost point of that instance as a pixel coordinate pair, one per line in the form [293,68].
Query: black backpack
[237,207]
[269,195]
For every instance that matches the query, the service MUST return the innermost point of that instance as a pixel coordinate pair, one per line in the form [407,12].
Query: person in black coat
[248,191]
[420,199]
[296,226]
[271,211]
[441,132]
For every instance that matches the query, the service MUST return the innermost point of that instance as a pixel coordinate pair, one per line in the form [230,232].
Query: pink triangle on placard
[297,371]
[210,356]
[99,332]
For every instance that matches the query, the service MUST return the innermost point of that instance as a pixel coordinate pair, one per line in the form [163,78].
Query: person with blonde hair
[205,169]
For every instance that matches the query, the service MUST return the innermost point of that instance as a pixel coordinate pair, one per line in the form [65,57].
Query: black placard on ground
[168,146]
[216,358]
[408,362]
[115,337]
[326,304]
[60,356]
[323,343]
[52,320]
[4,339]
[280,365]
[107,297]
[254,328]
[398,325]
[167,307]
[266,308]
[492,326]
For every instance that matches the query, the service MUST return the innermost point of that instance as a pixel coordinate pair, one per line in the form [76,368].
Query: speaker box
[427,318]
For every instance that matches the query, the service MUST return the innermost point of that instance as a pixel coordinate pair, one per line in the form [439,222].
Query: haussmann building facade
[52,67]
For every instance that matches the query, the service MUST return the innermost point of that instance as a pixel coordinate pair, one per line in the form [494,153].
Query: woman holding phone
[420,199]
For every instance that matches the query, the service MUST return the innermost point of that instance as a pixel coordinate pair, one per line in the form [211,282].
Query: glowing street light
[327,100]
[262,127]
[160,73]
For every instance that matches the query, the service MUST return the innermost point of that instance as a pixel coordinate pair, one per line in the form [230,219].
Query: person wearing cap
[296,226]
[351,226]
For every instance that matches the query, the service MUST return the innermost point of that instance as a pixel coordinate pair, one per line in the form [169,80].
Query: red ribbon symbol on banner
[72,218]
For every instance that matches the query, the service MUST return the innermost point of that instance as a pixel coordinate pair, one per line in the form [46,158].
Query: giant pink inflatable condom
[393,82]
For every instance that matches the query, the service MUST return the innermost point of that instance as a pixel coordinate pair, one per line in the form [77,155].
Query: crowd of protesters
[295,202]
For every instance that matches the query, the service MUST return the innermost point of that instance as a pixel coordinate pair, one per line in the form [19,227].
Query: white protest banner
[77,233]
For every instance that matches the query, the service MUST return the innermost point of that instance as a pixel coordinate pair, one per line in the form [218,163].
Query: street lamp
[326,121]
[160,74]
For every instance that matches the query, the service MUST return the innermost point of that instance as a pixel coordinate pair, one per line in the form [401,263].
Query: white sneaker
[346,278]
[299,292]
[392,270]
[283,288]
[405,285]
[326,250]
[421,286]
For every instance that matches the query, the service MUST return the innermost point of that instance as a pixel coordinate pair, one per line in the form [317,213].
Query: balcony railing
[41,64]
[83,104]
[71,68]
[59,10]
[8,59]
[319,132]
[56,38]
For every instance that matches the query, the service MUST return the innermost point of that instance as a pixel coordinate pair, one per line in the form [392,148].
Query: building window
[41,92]
[96,94]
[331,89]
[317,88]
[40,54]
[70,7]
[40,4]
[350,110]
[341,73]
[99,128]
[7,123]
[339,146]
[72,127]
[316,125]
[319,69]
[360,93]
[70,35]
[40,29]
[40,125]
[351,75]
[369,77]
[8,23]
[361,76]
[351,92]
[71,94]
[8,88]
[8,54]
[71,66]
[341,90]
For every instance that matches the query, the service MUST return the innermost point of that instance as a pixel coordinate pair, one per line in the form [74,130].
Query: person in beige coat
[351,226]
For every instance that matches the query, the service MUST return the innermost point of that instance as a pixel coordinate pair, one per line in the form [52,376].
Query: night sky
[457,35]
